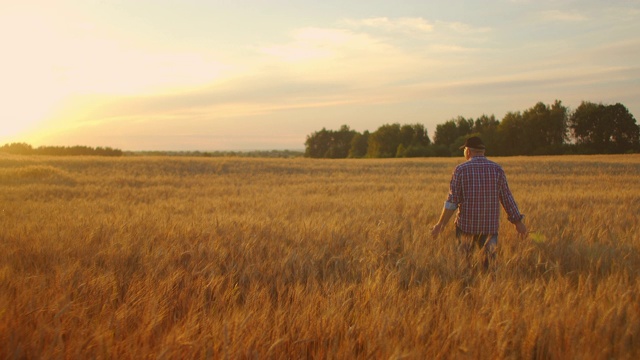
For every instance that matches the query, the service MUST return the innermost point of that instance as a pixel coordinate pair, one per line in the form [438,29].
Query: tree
[393,140]
[602,128]
[359,144]
[414,141]
[558,124]
[485,124]
[465,126]
[445,133]
[340,143]
[77,150]
[541,129]
[383,143]
[17,149]
[513,139]
[487,128]
[329,143]
[388,141]
[626,133]
[545,128]
[317,144]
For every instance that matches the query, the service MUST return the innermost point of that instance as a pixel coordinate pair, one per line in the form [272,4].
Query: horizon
[256,76]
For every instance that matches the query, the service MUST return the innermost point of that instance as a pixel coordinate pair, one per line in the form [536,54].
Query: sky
[188,75]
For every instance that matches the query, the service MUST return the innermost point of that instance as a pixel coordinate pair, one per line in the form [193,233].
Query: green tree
[17,149]
[485,124]
[317,144]
[383,143]
[393,140]
[513,139]
[545,128]
[604,129]
[359,144]
[558,127]
[77,150]
[487,128]
[340,143]
[464,126]
[414,141]
[329,143]
[626,132]
[446,133]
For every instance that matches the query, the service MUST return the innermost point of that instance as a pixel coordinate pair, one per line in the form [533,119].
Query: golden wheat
[296,258]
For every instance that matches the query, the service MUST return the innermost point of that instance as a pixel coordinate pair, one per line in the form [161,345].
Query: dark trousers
[477,248]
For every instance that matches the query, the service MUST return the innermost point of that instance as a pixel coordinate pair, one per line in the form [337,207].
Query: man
[478,187]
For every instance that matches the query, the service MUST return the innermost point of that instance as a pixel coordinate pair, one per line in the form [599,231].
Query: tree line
[216,154]
[26,149]
[540,130]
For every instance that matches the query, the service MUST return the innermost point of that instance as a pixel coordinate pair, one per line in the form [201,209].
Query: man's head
[473,146]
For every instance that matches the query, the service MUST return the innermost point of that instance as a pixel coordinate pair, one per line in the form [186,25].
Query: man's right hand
[436,230]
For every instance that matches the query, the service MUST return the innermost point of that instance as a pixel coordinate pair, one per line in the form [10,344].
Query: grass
[168,258]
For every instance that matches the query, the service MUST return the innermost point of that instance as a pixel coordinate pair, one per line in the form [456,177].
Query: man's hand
[521,228]
[444,219]
[436,230]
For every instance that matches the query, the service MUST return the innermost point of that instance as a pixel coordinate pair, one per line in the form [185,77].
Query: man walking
[478,187]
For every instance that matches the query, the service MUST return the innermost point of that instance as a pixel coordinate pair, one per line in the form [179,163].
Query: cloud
[403,24]
[463,28]
[336,55]
[413,25]
[433,43]
[313,43]
[373,51]
[561,16]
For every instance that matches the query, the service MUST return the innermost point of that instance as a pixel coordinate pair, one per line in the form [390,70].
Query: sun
[16,126]
[23,115]
[30,104]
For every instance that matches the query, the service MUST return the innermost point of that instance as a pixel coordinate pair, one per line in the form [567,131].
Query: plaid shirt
[478,188]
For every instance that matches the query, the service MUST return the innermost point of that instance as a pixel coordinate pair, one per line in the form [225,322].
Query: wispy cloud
[413,25]
[315,43]
[561,16]
[336,55]
[463,28]
[403,24]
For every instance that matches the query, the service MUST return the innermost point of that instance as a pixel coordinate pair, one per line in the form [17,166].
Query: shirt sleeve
[455,191]
[450,206]
[507,201]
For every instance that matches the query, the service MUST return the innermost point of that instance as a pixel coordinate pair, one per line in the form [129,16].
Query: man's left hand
[521,228]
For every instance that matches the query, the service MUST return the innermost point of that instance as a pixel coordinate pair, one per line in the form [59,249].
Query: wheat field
[239,258]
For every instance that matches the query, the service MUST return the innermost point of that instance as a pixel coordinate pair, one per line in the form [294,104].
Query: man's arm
[510,206]
[451,205]
[447,213]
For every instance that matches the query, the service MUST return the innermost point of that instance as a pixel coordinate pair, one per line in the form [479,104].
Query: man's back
[478,187]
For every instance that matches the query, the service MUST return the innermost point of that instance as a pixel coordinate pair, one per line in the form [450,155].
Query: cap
[473,142]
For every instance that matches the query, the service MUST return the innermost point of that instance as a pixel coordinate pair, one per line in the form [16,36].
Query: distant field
[162,257]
